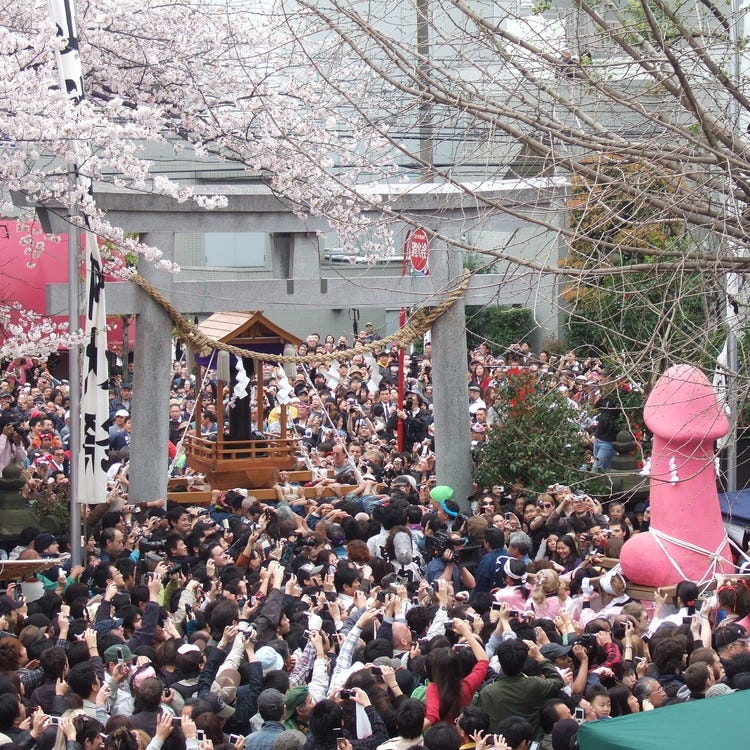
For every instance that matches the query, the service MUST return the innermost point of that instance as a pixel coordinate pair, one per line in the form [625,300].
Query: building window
[236,249]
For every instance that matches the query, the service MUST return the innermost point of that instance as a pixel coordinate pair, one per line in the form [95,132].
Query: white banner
[92,468]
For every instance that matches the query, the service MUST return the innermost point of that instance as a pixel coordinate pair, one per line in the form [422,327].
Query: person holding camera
[416,417]
[444,564]
[12,445]
[518,694]
[326,723]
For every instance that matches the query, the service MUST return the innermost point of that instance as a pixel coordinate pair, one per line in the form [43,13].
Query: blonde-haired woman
[544,600]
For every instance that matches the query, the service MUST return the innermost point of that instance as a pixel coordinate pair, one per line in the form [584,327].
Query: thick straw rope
[13,569]
[418,324]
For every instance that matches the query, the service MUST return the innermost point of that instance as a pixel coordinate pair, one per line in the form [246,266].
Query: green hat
[441,493]
[111,653]
[294,699]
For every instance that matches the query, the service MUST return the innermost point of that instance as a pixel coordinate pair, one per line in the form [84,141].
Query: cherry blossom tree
[324,99]
[218,79]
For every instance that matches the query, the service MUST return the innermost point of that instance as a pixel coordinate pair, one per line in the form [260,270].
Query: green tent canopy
[706,724]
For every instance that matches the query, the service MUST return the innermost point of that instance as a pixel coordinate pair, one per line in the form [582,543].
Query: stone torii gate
[296,279]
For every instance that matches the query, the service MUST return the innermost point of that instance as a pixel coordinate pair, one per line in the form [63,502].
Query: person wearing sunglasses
[546,521]
[486,507]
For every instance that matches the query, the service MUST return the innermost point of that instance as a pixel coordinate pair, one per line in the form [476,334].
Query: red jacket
[469,685]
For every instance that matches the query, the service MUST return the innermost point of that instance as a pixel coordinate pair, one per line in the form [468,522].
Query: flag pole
[89,403]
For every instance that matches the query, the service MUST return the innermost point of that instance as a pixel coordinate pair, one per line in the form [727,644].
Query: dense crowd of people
[369,610]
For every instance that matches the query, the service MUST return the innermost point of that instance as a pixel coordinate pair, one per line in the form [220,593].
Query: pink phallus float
[687,539]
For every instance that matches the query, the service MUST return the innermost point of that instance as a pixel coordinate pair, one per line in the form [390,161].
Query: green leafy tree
[538,441]
[499,326]
[621,314]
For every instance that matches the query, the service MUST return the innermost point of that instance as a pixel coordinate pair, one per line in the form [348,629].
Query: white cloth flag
[722,369]
[92,468]
[63,15]
[374,382]
[92,463]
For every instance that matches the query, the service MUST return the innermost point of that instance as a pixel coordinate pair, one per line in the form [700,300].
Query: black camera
[149,545]
[437,543]
[20,430]
[346,694]
[441,541]
[588,640]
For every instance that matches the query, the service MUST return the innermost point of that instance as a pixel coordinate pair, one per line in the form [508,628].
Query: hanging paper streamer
[374,381]
[333,379]
[284,389]
[242,380]
[673,478]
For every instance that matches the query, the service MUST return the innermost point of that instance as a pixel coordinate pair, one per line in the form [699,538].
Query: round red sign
[418,248]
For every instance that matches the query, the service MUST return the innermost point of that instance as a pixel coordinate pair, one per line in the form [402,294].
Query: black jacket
[415,427]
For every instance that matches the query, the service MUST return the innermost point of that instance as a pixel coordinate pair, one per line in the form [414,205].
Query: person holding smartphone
[82,730]
[448,692]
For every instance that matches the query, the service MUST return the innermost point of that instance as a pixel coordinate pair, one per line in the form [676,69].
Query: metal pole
[401,374]
[426,134]
[732,401]
[74,377]
[732,279]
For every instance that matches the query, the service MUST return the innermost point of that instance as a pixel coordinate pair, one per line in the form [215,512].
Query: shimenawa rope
[418,324]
